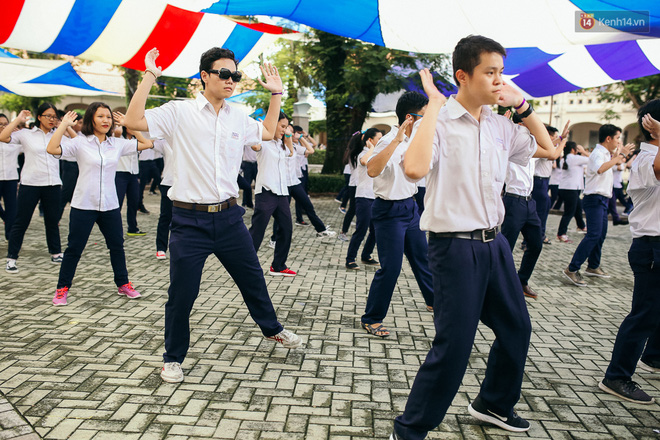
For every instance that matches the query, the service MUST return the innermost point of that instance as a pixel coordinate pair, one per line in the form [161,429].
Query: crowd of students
[486,178]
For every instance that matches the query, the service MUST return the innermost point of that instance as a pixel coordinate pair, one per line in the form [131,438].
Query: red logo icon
[587,21]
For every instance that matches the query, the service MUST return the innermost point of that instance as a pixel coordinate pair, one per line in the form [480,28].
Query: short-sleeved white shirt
[468,168]
[595,183]
[162,147]
[273,172]
[294,173]
[644,189]
[573,177]
[9,161]
[519,179]
[97,164]
[555,177]
[392,183]
[40,168]
[207,148]
[543,168]
[365,185]
[249,155]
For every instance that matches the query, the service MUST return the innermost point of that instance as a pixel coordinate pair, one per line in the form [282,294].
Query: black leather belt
[205,208]
[651,238]
[516,196]
[542,178]
[483,235]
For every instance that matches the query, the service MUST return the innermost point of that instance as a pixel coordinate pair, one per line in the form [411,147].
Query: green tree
[166,88]
[634,91]
[16,103]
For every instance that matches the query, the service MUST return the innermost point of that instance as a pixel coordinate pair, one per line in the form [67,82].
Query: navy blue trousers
[8,190]
[363,224]
[267,205]
[164,220]
[160,166]
[194,236]
[28,197]
[572,208]
[542,199]
[128,185]
[342,193]
[396,224]
[350,213]
[419,198]
[81,223]
[303,202]
[304,181]
[621,197]
[250,175]
[69,172]
[148,171]
[521,217]
[642,326]
[591,246]
[472,282]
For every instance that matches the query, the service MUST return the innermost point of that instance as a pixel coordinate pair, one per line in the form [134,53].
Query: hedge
[325,183]
[318,158]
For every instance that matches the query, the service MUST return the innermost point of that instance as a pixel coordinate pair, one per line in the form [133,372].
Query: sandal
[429,308]
[379,330]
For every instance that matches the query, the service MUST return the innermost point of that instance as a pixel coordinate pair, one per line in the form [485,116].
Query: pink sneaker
[283,273]
[128,290]
[60,296]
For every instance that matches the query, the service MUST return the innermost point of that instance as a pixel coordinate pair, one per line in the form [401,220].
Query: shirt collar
[649,147]
[203,102]
[602,149]
[455,109]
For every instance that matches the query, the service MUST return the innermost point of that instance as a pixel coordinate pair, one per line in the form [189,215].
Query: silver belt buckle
[213,208]
[483,235]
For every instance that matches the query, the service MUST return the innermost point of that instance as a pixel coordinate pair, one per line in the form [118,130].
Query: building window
[570,102]
[589,102]
[580,101]
[546,102]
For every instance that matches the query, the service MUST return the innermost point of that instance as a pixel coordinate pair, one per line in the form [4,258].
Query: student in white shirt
[148,171]
[271,195]
[165,217]
[342,196]
[639,333]
[542,172]
[597,193]
[302,152]
[571,185]
[40,181]
[207,136]
[69,171]
[463,150]
[249,168]
[95,196]
[127,181]
[8,178]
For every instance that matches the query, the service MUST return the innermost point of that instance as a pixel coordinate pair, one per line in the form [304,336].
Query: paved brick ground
[90,370]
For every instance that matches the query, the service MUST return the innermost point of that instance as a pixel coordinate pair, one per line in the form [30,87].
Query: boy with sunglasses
[463,150]
[207,137]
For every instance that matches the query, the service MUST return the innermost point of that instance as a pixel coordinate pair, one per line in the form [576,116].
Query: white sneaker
[327,233]
[171,372]
[160,255]
[287,339]
[11,266]
[343,237]
[271,244]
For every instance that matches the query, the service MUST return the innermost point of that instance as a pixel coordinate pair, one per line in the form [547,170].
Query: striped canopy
[547,51]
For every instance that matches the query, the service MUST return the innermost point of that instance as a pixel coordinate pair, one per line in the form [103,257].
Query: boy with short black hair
[463,149]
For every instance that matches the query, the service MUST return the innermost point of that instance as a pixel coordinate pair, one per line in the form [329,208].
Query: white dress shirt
[249,155]
[347,168]
[573,177]
[293,170]
[353,181]
[161,146]
[365,186]
[595,183]
[145,155]
[40,168]
[555,177]
[392,183]
[300,154]
[519,179]
[543,168]
[97,164]
[71,159]
[129,164]
[207,148]
[644,189]
[468,168]
[617,176]
[421,183]
[9,161]
[273,172]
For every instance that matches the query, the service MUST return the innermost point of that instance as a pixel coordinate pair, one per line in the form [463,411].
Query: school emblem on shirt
[234,135]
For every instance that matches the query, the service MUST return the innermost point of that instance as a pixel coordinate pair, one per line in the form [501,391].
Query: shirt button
[483,151]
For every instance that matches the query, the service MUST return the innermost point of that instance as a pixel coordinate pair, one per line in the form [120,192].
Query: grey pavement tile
[90,370]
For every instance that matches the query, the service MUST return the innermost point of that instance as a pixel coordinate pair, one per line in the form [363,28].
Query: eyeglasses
[226,74]
[415,114]
[51,117]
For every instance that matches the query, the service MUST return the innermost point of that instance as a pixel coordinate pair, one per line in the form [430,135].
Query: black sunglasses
[226,74]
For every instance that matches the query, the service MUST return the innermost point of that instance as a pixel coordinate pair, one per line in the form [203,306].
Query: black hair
[2,115]
[650,108]
[78,118]
[60,114]
[211,56]
[467,53]
[297,129]
[282,116]
[88,121]
[607,130]
[570,146]
[40,111]
[409,102]
[357,144]
[551,130]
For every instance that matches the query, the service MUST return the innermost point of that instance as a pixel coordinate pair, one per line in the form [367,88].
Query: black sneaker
[626,390]
[352,266]
[512,423]
[371,262]
[137,233]
[301,223]
[143,210]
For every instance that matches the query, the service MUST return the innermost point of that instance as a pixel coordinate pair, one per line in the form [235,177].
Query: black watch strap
[526,113]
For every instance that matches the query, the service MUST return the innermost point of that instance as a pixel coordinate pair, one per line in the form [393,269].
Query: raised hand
[150,62]
[651,125]
[273,81]
[564,134]
[289,130]
[370,145]
[69,119]
[507,114]
[509,97]
[581,150]
[118,117]
[23,116]
[429,86]
[401,134]
[629,148]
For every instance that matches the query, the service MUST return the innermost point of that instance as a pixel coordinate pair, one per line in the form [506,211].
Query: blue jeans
[194,236]
[590,248]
